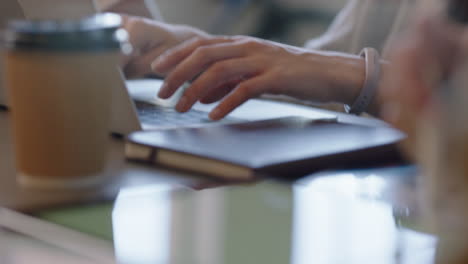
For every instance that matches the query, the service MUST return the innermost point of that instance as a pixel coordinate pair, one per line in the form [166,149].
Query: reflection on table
[345,217]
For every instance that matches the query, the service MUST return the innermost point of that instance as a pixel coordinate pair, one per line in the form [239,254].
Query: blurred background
[286,21]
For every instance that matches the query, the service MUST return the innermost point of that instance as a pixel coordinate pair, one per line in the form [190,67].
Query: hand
[434,53]
[422,60]
[238,68]
[150,39]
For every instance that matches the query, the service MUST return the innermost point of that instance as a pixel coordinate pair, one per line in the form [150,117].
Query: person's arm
[333,77]
[235,69]
[318,76]
[150,39]
[421,61]
[425,96]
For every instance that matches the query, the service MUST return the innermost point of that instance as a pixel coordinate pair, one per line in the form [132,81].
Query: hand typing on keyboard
[161,116]
[232,70]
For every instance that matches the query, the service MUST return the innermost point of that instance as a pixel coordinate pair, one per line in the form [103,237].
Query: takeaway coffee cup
[57,76]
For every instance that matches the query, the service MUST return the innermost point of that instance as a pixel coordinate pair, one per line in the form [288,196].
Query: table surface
[358,216]
[118,173]
[353,216]
[365,216]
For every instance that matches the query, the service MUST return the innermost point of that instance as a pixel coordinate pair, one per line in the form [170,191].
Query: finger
[443,40]
[406,96]
[395,114]
[213,77]
[464,40]
[129,25]
[392,75]
[174,56]
[219,92]
[143,35]
[141,32]
[243,92]
[197,62]
[141,65]
[411,66]
[421,73]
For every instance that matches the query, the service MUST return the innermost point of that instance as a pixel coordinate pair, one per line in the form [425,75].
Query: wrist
[335,77]
[184,32]
[347,78]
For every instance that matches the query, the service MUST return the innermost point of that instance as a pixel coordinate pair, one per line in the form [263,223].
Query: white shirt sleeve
[149,5]
[105,4]
[340,30]
[363,23]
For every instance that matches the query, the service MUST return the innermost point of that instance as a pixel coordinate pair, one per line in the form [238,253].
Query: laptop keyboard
[156,115]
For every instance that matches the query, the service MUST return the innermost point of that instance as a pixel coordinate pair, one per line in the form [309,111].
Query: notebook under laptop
[134,103]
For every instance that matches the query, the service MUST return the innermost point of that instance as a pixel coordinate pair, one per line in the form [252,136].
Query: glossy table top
[360,216]
[118,174]
[368,216]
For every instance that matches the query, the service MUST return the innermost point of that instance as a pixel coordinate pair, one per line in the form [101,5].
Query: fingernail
[164,91]
[182,104]
[215,114]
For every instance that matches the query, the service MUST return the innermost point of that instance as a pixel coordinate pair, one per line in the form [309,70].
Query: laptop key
[157,115]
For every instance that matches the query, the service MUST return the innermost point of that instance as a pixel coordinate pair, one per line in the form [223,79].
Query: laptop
[135,105]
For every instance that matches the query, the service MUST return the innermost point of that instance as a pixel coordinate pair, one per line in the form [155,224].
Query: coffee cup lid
[99,32]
